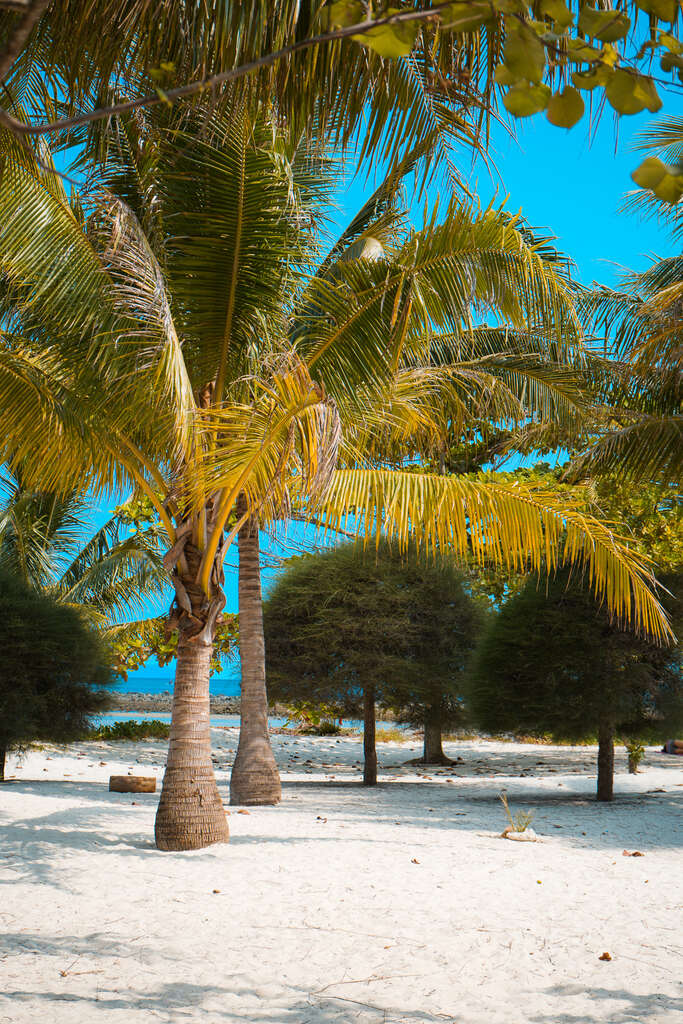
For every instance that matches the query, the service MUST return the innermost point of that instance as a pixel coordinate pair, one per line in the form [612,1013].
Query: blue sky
[566,183]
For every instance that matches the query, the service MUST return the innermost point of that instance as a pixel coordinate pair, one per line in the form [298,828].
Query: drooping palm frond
[108,576]
[117,578]
[646,448]
[36,529]
[518,526]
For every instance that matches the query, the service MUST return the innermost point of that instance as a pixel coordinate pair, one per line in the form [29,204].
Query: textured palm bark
[190,814]
[3,756]
[606,760]
[369,738]
[255,778]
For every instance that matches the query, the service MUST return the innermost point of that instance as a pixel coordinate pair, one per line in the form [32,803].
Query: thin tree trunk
[255,778]
[3,756]
[190,814]
[369,738]
[606,760]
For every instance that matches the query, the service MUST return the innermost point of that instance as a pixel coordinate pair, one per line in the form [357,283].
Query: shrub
[553,662]
[53,666]
[133,730]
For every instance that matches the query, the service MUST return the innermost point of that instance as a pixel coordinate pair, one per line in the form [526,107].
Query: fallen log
[132,784]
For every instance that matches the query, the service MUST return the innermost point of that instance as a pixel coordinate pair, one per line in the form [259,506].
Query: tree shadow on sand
[639,1008]
[184,1001]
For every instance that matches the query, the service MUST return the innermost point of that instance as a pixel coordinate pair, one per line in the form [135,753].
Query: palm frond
[647,448]
[522,527]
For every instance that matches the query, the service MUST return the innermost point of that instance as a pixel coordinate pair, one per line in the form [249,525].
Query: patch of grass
[521,821]
[391,736]
[133,730]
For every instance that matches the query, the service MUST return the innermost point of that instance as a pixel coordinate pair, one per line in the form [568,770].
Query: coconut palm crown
[177,327]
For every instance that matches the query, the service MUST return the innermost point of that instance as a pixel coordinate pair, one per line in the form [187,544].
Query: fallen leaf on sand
[414,860]
[604,956]
[243,810]
[324,820]
[636,853]
[216,890]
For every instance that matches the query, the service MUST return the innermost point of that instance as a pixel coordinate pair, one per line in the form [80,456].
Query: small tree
[356,628]
[52,668]
[552,662]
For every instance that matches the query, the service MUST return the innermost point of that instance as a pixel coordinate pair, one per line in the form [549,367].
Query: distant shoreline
[144,702]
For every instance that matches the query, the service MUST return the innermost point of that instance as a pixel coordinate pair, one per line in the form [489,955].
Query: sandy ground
[397,904]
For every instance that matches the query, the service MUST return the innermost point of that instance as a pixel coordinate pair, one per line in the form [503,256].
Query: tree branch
[192,88]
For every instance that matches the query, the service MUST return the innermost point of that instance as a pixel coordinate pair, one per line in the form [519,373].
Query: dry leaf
[216,890]
[636,853]
[243,810]
[605,956]
[414,860]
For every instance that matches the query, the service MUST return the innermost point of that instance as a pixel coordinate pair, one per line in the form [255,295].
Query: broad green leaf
[669,61]
[346,12]
[670,188]
[629,93]
[665,10]
[606,25]
[465,17]
[511,6]
[649,173]
[524,53]
[504,76]
[598,75]
[390,40]
[525,100]
[672,44]
[565,108]
[580,52]
[558,11]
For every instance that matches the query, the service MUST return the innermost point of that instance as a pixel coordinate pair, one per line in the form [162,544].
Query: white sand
[323,914]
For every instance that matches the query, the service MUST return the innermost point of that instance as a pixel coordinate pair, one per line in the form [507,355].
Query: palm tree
[189,341]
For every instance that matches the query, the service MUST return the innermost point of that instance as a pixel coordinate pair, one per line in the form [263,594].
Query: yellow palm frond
[521,527]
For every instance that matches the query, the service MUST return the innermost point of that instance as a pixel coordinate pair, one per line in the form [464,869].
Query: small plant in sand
[636,751]
[521,820]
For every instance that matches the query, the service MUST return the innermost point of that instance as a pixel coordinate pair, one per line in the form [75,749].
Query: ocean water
[227,721]
[161,684]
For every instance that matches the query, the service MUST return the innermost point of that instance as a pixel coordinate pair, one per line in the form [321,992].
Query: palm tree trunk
[369,738]
[606,760]
[190,814]
[255,778]
[3,756]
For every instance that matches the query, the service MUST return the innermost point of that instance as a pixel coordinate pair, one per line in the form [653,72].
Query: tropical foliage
[205,351]
[113,574]
[354,628]
[389,75]
[552,662]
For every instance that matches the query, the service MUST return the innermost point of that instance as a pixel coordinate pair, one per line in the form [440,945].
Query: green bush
[54,669]
[133,730]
